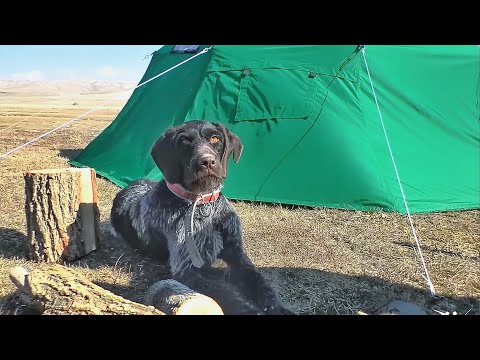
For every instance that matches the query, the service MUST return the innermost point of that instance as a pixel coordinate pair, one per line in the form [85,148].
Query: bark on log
[63,218]
[175,298]
[59,290]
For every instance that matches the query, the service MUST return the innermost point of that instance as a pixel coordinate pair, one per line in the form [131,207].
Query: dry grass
[323,261]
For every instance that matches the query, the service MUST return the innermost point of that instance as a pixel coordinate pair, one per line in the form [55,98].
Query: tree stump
[62,214]
[175,298]
[59,290]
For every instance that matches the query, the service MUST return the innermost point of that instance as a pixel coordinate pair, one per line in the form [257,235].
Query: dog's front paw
[270,304]
[277,310]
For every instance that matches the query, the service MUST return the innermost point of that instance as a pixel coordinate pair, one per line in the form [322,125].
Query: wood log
[175,298]
[58,290]
[63,219]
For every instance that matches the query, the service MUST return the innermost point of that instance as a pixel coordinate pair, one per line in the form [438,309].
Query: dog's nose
[208,162]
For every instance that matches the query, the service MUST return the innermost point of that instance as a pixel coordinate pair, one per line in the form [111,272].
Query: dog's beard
[204,184]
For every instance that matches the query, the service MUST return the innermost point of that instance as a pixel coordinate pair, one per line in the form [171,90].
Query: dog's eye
[185,140]
[214,139]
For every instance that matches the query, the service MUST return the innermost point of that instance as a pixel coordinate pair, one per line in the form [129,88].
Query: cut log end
[18,275]
[199,305]
[175,298]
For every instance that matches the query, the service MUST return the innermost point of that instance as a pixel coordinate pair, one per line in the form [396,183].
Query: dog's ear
[233,144]
[165,157]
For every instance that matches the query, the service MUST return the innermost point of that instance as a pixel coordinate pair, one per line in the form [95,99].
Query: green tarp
[310,126]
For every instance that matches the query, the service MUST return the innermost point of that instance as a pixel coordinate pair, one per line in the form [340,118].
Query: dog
[186,221]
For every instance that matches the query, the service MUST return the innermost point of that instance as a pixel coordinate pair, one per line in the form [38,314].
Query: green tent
[310,125]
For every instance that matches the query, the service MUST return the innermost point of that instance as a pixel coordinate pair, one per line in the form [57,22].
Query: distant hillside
[59,88]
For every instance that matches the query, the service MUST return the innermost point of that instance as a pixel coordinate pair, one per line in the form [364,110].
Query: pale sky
[123,63]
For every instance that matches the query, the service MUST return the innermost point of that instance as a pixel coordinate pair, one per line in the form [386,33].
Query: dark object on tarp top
[185,49]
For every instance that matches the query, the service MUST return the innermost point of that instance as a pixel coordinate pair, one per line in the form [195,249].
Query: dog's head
[195,154]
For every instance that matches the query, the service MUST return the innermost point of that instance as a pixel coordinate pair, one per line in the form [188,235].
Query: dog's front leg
[206,282]
[248,279]
[243,273]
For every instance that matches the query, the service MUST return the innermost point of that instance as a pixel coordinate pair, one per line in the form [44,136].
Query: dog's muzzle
[206,165]
[207,162]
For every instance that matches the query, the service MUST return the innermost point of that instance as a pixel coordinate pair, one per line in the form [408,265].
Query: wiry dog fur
[151,218]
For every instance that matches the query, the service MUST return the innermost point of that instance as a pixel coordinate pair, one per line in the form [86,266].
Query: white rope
[193,211]
[427,277]
[105,103]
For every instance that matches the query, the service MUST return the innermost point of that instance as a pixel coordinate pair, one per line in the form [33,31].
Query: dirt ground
[322,261]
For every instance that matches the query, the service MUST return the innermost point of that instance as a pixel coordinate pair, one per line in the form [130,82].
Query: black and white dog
[186,220]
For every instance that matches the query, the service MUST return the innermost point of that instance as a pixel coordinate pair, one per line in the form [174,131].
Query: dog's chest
[206,239]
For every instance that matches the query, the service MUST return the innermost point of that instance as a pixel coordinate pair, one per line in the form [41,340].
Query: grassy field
[322,261]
